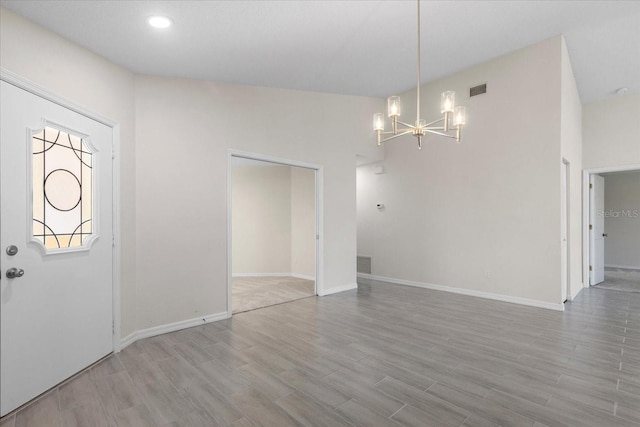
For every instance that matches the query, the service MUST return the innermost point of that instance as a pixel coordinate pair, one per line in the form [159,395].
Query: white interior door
[597,229]
[56,212]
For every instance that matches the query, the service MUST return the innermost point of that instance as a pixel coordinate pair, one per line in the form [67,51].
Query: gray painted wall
[622,220]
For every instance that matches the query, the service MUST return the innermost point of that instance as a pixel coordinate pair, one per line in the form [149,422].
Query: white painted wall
[611,132]
[483,215]
[89,80]
[303,222]
[186,127]
[571,151]
[261,222]
[274,220]
[622,220]
[174,137]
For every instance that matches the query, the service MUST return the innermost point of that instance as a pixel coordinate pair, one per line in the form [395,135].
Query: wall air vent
[478,90]
[364,264]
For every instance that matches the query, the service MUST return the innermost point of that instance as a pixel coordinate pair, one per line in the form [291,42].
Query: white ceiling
[355,47]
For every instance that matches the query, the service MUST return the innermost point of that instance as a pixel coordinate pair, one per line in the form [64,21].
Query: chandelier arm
[406,124]
[396,136]
[440,133]
[435,121]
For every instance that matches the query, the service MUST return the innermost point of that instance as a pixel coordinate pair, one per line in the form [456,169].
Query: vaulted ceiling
[355,47]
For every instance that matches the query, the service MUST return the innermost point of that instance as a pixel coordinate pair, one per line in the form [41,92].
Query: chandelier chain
[419,73]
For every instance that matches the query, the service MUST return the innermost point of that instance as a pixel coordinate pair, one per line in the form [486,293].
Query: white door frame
[566,230]
[586,208]
[22,83]
[231,153]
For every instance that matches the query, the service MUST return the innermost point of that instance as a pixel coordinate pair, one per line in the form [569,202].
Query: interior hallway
[621,279]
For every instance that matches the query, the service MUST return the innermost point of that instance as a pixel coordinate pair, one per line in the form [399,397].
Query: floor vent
[364,264]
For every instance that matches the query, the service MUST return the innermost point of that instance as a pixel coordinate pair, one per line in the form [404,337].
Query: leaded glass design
[62,189]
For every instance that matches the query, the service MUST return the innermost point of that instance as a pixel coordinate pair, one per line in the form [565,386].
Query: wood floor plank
[157,348]
[208,398]
[265,380]
[228,355]
[117,393]
[413,417]
[8,421]
[140,367]
[437,408]
[484,408]
[89,414]
[180,372]
[193,353]
[262,411]
[364,393]
[80,391]
[414,379]
[44,412]
[164,402]
[310,413]
[315,387]
[360,415]
[136,416]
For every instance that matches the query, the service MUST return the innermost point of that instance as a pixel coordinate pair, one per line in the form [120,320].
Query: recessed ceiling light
[159,21]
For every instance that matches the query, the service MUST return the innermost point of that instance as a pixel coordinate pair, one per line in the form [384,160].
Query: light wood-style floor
[383,355]
[250,293]
[621,279]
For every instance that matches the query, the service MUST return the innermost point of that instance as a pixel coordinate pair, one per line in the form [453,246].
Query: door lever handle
[14,273]
[605,235]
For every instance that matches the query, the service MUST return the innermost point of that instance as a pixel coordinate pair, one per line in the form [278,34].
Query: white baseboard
[261,274]
[296,275]
[627,267]
[337,289]
[469,292]
[171,327]
[302,276]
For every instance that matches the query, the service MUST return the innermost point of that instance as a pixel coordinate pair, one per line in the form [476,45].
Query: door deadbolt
[12,250]
[14,273]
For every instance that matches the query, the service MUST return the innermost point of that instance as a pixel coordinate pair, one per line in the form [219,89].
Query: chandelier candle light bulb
[459,119]
[378,122]
[447,102]
[439,127]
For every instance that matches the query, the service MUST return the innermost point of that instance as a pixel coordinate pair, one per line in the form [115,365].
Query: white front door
[56,241]
[597,229]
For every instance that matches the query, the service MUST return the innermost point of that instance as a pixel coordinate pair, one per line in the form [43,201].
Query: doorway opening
[613,227]
[273,231]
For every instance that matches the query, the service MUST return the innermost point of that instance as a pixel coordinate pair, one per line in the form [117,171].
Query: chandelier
[449,125]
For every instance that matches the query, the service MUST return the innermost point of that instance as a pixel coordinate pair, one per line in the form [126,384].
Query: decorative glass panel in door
[62,193]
